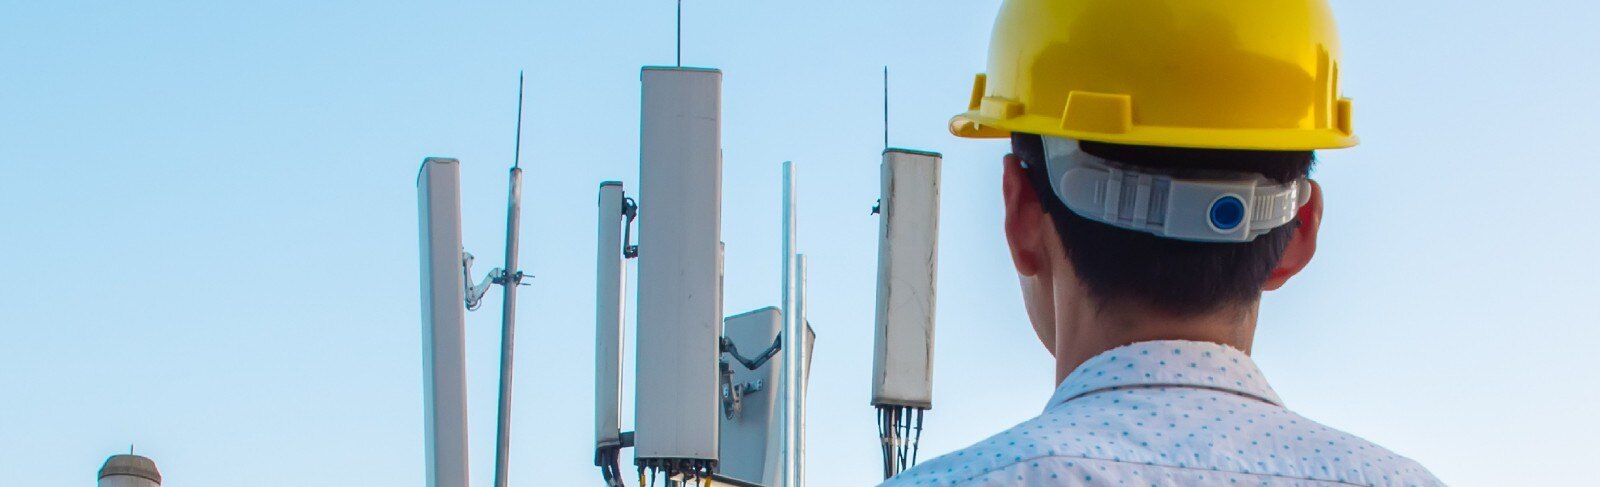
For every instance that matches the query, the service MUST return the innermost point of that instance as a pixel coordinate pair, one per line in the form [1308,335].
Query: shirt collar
[1167,363]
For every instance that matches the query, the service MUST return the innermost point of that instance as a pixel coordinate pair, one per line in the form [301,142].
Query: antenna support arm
[756,363]
[475,292]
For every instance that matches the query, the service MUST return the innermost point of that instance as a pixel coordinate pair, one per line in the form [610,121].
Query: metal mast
[508,309]
[793,337]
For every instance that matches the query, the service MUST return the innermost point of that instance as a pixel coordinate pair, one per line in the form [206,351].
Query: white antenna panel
[444,356]
[748,435]
[610,299]
[679,315]
[908,250]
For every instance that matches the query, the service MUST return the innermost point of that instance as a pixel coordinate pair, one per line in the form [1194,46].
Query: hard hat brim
[974,125]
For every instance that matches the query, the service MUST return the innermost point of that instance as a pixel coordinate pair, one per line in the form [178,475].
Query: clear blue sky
[208,228]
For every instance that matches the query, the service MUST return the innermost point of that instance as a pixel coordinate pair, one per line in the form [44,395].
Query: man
[1158,185]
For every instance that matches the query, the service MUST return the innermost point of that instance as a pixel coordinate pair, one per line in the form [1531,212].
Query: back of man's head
[1123,267]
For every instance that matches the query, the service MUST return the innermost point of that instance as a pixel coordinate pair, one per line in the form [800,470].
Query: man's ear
[1302,245]
[1025,220]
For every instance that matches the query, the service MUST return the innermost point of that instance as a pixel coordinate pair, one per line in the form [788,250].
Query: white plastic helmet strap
[1200,210]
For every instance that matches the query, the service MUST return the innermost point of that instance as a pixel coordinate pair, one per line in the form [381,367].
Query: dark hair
[1174,276]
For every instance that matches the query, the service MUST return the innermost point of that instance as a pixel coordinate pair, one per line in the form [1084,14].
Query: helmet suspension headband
[1219,210]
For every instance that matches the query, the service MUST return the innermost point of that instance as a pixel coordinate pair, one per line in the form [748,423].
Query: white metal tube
[508,329]
[610,299]
[804,352]
[793,340]
[444,360]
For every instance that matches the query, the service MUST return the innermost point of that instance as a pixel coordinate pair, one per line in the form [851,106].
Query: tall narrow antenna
[885,107]
[680,33]
[516,156]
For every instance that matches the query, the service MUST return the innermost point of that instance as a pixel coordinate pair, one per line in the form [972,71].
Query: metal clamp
[474,292]
[630,209]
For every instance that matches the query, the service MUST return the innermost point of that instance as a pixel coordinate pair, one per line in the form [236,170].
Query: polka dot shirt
[1168,413]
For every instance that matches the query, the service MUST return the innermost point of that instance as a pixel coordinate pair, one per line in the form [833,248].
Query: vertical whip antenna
[885,107]
[680,34]
[516,155]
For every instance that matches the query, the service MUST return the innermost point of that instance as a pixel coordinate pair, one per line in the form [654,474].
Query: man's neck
[1085,331]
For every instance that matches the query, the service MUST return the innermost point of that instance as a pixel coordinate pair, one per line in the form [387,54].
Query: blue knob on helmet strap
[1227,212]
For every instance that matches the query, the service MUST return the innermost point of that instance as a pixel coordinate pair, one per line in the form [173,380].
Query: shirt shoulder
[1169,436]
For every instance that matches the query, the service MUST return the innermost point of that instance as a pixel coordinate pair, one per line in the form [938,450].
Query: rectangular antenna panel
[908,253]
[444,357]
[745,438]
[610,282]
[679,316]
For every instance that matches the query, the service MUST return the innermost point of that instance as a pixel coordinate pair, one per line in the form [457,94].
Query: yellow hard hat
[1234,74]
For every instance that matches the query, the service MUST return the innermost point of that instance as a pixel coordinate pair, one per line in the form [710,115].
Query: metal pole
[804,352]
[793,338]
[508,330]
[508,307]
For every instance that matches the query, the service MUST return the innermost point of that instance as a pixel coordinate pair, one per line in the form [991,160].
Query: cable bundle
[899,430]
